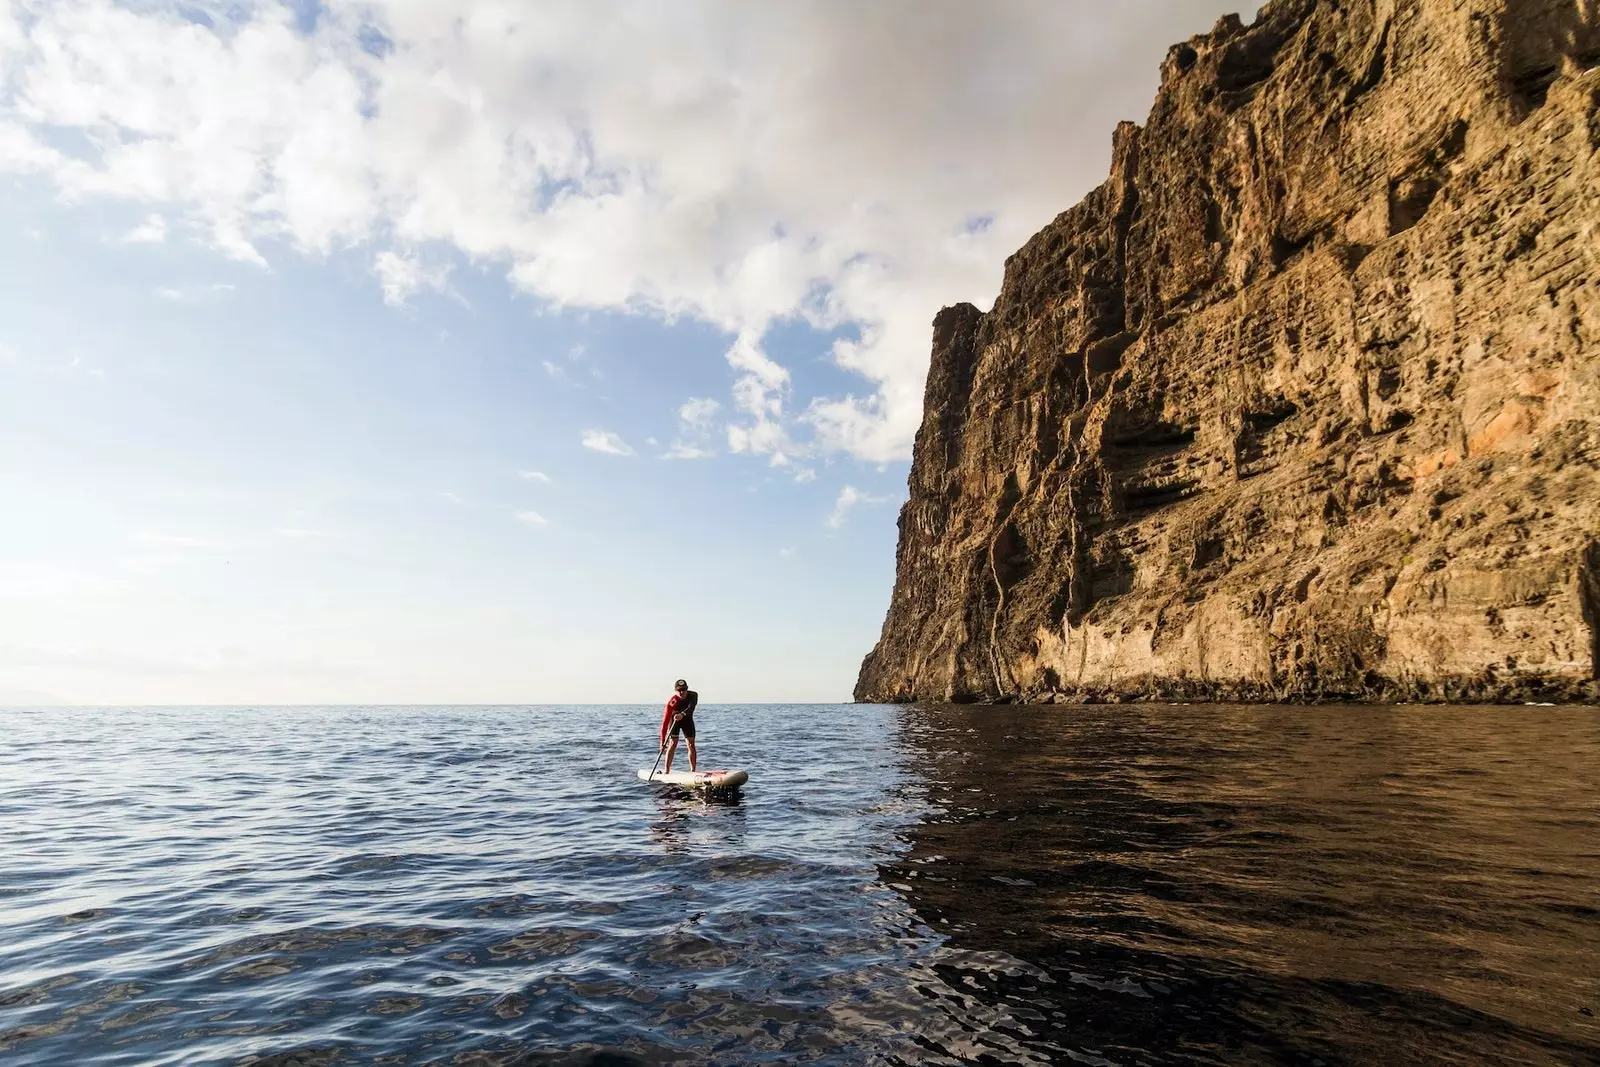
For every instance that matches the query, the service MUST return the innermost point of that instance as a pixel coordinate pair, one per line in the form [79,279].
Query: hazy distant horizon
[260,706]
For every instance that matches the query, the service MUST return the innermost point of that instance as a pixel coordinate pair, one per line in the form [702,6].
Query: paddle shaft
[663,751]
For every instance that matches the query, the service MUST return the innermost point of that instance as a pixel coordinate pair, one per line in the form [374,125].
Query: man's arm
[667,717]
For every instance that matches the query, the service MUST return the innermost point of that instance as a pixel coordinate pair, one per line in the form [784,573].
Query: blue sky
[469,369]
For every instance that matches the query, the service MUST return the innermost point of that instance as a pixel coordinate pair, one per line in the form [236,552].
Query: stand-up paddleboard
[711,781]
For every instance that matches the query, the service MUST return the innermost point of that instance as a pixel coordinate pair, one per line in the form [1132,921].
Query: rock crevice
[1303,403]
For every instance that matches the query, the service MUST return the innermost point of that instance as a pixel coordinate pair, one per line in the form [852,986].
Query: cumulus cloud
[843,164]
[849,498]
[606,441]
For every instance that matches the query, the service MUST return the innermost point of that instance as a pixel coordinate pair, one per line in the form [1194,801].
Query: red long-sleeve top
[677,703]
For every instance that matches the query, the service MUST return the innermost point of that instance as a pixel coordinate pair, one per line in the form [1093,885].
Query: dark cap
[680,684]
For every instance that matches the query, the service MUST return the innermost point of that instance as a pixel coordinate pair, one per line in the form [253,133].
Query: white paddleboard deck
[712,780]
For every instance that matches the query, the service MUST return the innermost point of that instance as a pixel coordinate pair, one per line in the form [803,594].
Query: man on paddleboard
[679,717]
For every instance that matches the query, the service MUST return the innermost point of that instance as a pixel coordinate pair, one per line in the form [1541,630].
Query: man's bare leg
[672,748]
[691,754]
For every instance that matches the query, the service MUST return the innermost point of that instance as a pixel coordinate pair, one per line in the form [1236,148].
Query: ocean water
[926,885]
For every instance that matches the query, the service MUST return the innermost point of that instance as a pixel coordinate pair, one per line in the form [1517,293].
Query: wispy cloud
[578,354]
[804,475]
[193,293]
[534,476]
[849,498]
[531,518]
[679,450]
[697,413]
[696,422]
[152,231]
[454,498]
[403,275]
[606,441]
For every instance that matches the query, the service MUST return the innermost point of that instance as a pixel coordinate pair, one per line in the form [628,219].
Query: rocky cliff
[1303,402]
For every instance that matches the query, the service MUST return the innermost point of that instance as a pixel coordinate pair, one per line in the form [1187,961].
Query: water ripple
[480,886]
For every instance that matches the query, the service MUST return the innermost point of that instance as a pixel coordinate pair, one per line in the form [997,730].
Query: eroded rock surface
[1303,402]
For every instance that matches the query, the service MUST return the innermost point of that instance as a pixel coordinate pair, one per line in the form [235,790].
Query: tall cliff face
[1303,402]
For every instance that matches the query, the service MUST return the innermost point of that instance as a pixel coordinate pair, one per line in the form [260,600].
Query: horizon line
[379,704]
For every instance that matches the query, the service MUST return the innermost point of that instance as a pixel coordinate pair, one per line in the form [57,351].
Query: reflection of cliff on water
[1264,885]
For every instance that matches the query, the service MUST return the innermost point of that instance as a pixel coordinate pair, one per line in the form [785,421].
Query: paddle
[663,751]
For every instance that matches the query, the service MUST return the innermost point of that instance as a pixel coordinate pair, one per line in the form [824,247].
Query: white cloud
[179,294]
[531,518]
[454,498]
[153,230]
[534,476]
[743,164]
[679,450]
[804,475]
[850,497]
[696,423]
[402,276]
[697,413]
[785,553]
[605,441]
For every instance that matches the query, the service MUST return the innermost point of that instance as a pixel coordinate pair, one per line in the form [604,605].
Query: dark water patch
[1362,923]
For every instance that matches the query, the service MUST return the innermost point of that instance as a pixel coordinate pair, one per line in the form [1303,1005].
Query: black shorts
[685,724]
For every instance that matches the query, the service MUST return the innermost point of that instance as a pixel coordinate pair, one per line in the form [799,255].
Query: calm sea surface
[477,886]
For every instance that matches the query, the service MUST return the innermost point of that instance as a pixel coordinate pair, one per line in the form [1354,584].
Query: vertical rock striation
[1303,402]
